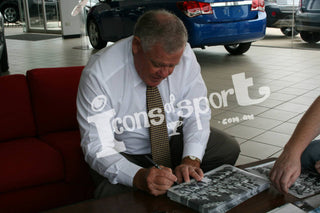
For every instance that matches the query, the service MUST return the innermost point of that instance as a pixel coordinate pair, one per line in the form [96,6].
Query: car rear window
[314,5]
[288,2]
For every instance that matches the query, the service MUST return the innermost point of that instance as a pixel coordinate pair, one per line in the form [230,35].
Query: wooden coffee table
[142,202]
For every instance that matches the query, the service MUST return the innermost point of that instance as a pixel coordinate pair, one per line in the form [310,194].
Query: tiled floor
[293,76]
[262,129]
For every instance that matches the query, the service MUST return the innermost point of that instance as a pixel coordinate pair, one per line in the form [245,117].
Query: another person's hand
[188,168]
[153,180]
[317,166]
[285,171]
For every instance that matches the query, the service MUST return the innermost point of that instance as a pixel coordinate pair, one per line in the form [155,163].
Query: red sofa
[41,161]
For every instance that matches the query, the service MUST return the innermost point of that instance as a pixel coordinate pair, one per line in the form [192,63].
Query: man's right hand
[285,171]
[153,180]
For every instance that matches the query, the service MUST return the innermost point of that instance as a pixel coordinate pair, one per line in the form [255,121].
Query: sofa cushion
[68,144]
[28,162]
[15,108]
[53,97]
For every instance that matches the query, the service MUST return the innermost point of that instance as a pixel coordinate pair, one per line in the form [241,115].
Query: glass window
[315,5]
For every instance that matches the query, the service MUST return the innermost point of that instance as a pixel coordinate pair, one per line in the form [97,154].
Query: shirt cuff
[193,149]
[127,171]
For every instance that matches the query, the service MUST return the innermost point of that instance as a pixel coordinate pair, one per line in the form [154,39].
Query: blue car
[232,23]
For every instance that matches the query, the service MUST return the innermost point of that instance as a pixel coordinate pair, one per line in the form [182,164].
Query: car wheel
[310,37]
[287,31]
[94,35]
[4,60]
[238,49]
[10,13]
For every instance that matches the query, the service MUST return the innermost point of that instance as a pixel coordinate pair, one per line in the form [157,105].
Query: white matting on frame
[287,208]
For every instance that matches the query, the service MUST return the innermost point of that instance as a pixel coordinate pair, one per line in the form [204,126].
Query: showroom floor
[262,126]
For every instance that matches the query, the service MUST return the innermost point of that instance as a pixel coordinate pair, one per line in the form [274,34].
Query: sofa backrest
[16,118]
[53,94]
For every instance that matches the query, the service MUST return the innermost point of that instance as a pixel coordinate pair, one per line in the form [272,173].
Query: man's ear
[136,45]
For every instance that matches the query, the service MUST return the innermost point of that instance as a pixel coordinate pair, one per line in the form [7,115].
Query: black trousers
[221,149]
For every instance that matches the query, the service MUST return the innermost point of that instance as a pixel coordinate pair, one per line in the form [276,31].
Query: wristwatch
[193,158]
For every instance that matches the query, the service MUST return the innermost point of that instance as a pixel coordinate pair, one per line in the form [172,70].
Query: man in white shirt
[114,124]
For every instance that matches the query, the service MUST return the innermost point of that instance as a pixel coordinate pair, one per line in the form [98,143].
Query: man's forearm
[307,129]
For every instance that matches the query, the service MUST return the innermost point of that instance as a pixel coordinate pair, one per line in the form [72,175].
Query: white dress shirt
[111,76]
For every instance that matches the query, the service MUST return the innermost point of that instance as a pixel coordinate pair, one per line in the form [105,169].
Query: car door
[117,18]
[130,11]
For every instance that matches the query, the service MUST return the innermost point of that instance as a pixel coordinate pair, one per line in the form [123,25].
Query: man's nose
[165,71]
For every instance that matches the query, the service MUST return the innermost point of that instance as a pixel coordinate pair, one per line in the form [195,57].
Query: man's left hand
[188,168]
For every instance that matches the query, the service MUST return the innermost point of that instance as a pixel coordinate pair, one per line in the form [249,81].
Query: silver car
[3,48]
[307,20]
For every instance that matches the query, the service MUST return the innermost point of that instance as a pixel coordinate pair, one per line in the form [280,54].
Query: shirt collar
[136,78]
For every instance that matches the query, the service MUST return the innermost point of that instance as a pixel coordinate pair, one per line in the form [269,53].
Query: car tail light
[274,14]
[194,8]
[257,5]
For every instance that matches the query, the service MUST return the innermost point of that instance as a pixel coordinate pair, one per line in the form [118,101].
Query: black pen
[151,161]
[157,166]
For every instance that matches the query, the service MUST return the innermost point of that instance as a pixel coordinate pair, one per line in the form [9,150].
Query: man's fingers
[160,186]
[275,177]
[277,182]
[164,171]
[293,179]
[200,172]
[284,182]
[160,180]
[287,179]
[163,176]
[285,171]
[283,179]
[179,177]
[163,181]
[272,174]
[185,174]
[169,175]
[196,173]
[156,190]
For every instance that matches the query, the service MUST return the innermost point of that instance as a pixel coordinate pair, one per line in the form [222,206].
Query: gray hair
[161,26]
